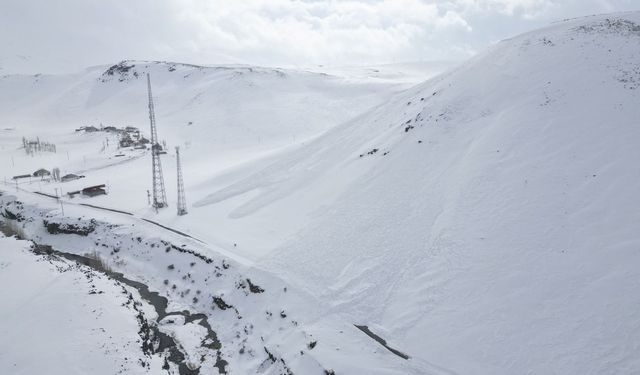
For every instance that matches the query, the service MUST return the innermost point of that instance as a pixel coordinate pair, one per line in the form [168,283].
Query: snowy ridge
[241,111]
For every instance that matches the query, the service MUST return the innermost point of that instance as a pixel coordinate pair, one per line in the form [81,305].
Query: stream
[163,341]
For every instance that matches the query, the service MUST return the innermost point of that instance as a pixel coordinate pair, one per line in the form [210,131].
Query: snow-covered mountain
[483,222]
[486,220]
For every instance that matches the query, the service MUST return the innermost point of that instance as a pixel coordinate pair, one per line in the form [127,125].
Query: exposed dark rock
[312,344]
[66,228]
[222,305]
[253,288]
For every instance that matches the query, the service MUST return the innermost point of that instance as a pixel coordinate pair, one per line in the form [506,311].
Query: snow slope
[227,119]
[257,323]
[407,72]
[230,105]
[56,316]
[240,111]
[486,220]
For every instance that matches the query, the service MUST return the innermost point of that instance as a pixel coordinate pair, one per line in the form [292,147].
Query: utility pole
[159,194]
[182,201]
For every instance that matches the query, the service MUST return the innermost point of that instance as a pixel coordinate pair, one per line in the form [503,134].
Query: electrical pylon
[182,200]
[159,194]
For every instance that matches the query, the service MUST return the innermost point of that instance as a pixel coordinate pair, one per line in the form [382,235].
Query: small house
[41,173]
[93,191]
[70,177]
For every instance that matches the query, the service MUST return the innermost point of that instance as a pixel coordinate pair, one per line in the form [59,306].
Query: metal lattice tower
[159,194]
[182,200]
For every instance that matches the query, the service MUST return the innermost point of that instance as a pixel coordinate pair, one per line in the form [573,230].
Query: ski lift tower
[159,194]
[182,201]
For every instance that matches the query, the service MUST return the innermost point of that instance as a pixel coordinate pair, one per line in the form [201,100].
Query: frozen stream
[155,340]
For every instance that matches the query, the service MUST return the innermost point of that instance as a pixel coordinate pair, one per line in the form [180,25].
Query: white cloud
[71,34]
[329,31]
[511,7]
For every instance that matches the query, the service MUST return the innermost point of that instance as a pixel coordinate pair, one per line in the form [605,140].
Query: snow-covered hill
[225,118]
[483,222]
[229,106]
[486,220]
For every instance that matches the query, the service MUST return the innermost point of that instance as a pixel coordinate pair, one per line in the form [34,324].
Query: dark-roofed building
[41,173]
[70,177]
[92,191]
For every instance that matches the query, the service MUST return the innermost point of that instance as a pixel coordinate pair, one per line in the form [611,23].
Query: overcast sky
[68,35]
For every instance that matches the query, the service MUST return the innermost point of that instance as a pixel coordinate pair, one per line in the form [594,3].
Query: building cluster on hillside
[45,174]
[133,139]
[54,174]
[128,136]
[108,129]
